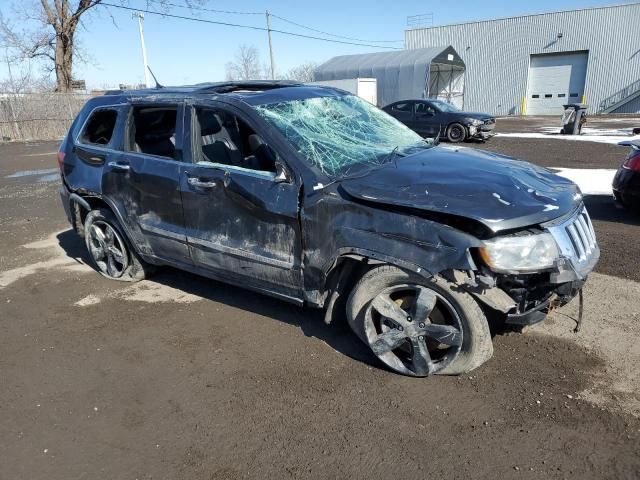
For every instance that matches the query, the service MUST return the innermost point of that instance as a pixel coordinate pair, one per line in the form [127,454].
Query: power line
[235,12]
[332,34]
[203,9]
[250,27]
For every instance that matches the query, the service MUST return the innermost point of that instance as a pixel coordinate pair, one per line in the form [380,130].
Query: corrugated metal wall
[496,52]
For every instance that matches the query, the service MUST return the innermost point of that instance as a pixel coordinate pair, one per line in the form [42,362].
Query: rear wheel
[418,326]
[109,250]
[456,133]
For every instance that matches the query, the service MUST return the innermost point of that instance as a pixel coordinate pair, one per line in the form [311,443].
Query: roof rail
[226,87]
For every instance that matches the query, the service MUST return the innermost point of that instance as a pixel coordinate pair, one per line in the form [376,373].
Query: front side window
[152,130]
[425,109]
[341,135]
[99,128]
[224,138]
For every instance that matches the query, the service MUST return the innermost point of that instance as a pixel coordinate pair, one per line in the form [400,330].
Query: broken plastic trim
[340,134]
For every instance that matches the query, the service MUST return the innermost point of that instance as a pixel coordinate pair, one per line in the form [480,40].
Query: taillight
[633,161]
[60,156]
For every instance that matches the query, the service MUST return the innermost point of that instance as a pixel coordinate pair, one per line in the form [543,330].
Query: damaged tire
[456,133]
[419,326]
[108,247]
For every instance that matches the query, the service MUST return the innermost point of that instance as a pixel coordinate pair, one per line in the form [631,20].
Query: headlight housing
[475,122]
[520,254]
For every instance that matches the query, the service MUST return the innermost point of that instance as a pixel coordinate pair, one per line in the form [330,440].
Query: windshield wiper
[392,156]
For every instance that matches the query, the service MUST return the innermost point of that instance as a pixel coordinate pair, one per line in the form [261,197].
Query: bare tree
[246,64]
[302,73]
[52,37]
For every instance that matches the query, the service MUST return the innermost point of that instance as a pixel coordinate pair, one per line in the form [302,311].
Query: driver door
[240,219]
[427,123]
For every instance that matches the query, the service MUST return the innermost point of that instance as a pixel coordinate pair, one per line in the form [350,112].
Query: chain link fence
[38,116]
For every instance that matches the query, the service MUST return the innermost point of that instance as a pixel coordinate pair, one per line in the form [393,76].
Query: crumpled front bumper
[562,295]
[527,299]
[482,132]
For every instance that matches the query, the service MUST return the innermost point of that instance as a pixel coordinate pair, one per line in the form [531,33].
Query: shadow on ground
[602,207]
[338,335]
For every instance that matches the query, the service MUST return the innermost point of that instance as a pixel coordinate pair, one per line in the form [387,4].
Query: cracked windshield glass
[342,135]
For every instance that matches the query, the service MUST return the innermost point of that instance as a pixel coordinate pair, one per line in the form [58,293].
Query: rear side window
[403,107]
[99,128]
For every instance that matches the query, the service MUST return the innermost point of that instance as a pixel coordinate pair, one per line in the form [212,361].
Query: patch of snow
[152,292]
[592,181]
[589,134]
[28,173]
[88,300]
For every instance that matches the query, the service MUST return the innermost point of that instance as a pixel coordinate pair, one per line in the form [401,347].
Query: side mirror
[282,174]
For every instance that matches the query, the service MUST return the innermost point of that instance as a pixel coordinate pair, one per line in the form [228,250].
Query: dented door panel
[243,224]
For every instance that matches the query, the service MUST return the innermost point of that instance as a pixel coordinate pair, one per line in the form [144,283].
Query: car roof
[253,92]
[418,100]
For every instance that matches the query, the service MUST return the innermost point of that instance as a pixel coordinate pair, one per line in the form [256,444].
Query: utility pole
[140,17]
[273,68]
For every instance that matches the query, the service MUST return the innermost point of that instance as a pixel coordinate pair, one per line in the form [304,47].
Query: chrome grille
[577,242]
[582,236]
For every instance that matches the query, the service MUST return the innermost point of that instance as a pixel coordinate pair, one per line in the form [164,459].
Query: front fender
[335,228]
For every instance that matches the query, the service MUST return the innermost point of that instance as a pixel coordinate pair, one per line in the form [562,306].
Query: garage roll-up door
[554,80]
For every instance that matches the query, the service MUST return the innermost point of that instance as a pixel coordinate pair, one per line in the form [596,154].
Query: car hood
[500,192]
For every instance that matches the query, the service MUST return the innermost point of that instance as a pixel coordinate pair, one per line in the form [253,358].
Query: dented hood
[500,192]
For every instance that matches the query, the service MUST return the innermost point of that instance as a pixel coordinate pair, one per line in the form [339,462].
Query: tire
[109,249]
[454,331]
[456,133]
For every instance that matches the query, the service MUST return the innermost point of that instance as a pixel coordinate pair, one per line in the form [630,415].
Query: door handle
[196,182]
[119,167]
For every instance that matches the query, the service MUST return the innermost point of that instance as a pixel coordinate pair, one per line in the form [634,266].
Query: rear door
[241,220]
[144,180]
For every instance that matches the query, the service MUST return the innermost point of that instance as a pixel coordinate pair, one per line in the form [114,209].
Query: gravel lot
[183,377]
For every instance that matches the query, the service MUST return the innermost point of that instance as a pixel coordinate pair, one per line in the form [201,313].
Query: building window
[573,95]
[561,95]
[548,95]
[535,96]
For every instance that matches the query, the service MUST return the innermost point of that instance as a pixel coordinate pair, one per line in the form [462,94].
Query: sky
[187,52]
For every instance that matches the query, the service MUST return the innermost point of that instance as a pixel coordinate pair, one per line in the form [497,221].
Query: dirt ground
[183,377]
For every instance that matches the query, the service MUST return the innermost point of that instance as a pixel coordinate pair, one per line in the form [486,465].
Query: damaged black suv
[317,197]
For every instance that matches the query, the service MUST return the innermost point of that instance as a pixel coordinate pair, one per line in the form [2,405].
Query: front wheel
[109,250]
[456,133]
[419,326]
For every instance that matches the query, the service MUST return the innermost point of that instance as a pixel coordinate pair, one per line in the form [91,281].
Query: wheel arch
[79,211]
[347,267]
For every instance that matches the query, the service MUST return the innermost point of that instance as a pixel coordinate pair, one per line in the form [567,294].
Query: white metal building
[536,63]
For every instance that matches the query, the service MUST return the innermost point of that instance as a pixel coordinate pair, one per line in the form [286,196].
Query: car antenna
[154,78]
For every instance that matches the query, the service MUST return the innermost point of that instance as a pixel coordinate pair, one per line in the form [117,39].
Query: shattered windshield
[341,135]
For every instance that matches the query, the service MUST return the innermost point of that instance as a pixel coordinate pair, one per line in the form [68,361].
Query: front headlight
[475,122]
[526,253]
